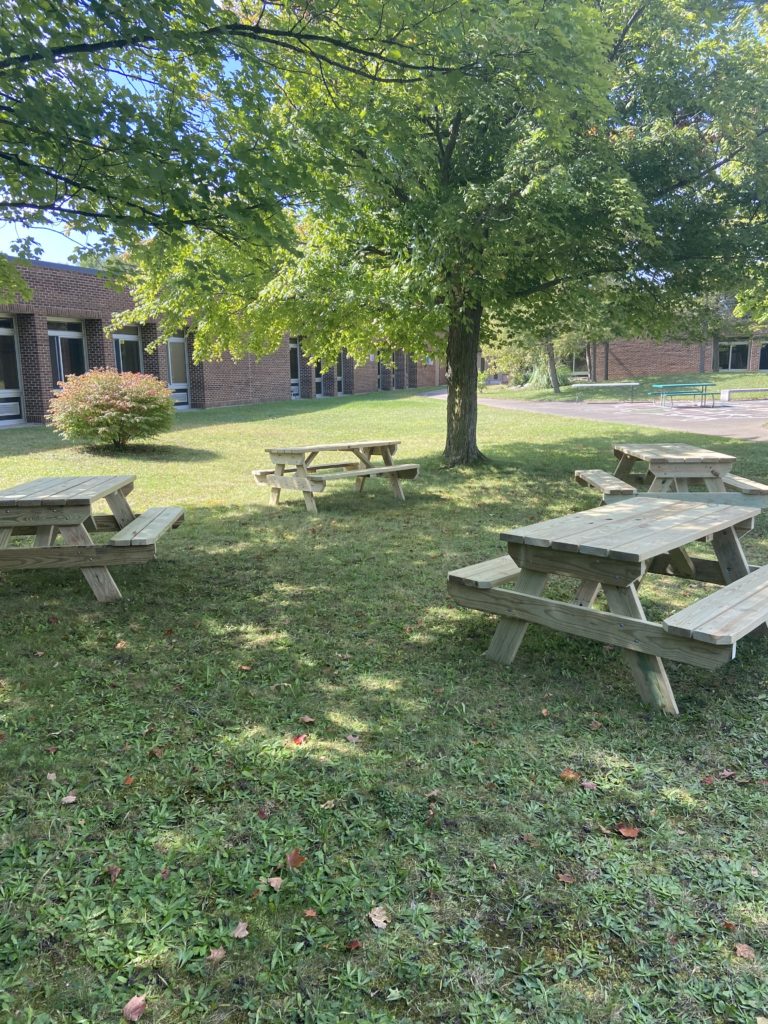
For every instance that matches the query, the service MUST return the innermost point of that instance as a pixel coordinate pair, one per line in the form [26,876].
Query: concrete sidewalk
[745,421]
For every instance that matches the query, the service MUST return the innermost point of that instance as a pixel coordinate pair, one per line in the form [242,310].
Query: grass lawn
[430,779]
[644,393]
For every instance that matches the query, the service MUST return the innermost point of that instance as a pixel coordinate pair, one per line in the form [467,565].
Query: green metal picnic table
[703,390]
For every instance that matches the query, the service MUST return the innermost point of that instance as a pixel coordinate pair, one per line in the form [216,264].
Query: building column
[35,365]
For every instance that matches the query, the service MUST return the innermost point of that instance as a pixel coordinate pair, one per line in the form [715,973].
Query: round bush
[104,407]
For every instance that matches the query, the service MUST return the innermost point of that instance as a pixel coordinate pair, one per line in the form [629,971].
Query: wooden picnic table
[294,468]
[62,507]
[673,466]
[612,547]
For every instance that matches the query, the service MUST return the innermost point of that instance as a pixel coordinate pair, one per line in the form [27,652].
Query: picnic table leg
[394,479]
[274,492]
[98,577]
[120,508]
[586,594]
[647,669]
[624,468]
[309,498]
[44,537]
[510,632]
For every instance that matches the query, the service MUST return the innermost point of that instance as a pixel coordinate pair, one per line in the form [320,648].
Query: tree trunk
[462,352]
[552,367]
[716,355]
[592,353]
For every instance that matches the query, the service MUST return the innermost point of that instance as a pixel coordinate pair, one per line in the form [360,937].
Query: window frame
[126,335]
[54,344]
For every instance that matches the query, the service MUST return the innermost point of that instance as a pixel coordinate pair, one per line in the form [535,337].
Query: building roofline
[73,268]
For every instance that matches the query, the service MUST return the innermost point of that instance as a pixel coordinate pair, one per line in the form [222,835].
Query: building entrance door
[10,377]
[178,372]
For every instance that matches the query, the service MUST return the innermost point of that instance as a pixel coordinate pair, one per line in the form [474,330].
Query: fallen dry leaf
[378,917]
[48,750]
[275,882]
[529,837]
[726,773]
[544,713]
[216,955]
[165,872]
[565,878]
[352,738]
[240,931]
[119,646]
[586,784]
[708,780]
[354,944]
[294,859]
[134,1008]
[157,751]
[328,805]
[39,654]
[70,798]
[114,872]
[307,719]
[309,912]
[433,795]
[744,951]
[569,775]
[128,780]
[51,776]
[53,619]
[301,739]
[761,1020]
[730,926]
[594,725]
[628,831]
[245,668]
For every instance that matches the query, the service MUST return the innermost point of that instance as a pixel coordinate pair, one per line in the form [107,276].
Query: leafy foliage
[104,407]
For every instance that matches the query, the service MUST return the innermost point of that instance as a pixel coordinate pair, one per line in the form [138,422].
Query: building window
[294,356]
[67,346]
[733,355]
[10,377]
[318,381]
[340,375]
[128,354]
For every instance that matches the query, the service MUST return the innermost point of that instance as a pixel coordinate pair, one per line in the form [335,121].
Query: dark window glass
[294,362]
[72,356]
[9,369]
[7,324]
[739,357]
[65,325]
[129,360]
[723,357]
[764,357]
[55,364]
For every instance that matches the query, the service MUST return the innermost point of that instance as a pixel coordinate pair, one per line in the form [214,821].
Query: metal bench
[148,527]
[728,615]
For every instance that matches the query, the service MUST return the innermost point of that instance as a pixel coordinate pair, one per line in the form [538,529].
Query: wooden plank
[604,482]
[294,483]
[744,486]
[16,516]
[510,631]
[730,555]
[12,495]
[568,563]
[406,470]
[80,490]
[688,470]
[618,630]
[148,527]
[484,575]
[727,615]
[99,578]
[338,446]
[703,497]
[120,508]
[681,452]
[69,556]
[646,667]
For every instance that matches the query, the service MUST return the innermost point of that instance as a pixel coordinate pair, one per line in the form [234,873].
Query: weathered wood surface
[98,578]
[407,470]
[727,615]
[618,630]
[604,482]
[146,528]
[670,452]
[744,486]
[15,516]
[291,483]
[631,530]
[338,446]
[583,567]
[755,500]
[81,490]
[73,556]
[491,573]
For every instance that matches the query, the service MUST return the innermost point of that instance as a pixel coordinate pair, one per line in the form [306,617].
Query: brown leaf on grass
[544,713]
[51,776]
[628,831]
[70,798]
[275,882]
[761,1020]
[307,719]
[594,725]
[565,878]
[120,646]
[265,810]
[726,773]
[310,912]
[2,736]
[157,751]
[708,780]
[301,739]
[216,955]
[354,944]
[114,872]
[165,872]
[240,931]
[134,1008]
[529,837]
[744,951]
[586,784]
[569,775]
[378,917]
[244,668]
[328,805]
[53,619]
[128,780]
[294,859]
[48,750]
[39,654]
[433,795]
[730,926]
[352,737]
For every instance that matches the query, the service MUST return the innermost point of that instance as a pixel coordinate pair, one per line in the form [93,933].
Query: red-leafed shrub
[104,407]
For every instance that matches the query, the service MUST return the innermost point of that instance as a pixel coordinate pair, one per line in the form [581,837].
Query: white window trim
[58,335]
[13,332]
[125,336]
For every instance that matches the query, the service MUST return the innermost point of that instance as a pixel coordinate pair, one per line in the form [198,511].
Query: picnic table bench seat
[147,527]
[485,575]
[742,485]
[727,615]
[604,482]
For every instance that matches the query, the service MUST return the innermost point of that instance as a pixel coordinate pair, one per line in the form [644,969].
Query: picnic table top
[689,384]
[62,490]
[338,446]
[671,453]
[631,530]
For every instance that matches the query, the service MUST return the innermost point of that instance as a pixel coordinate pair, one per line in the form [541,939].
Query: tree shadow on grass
[156,453]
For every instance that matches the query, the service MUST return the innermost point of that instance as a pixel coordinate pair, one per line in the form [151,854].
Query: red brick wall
[365,376]
[243,381]
[71,293]
[640,357]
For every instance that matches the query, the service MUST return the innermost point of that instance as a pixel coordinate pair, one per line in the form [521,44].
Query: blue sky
[56,245]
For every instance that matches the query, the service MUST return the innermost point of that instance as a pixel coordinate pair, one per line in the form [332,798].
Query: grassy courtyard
[428,781]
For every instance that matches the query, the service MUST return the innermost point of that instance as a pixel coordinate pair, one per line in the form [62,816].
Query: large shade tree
[133,117]
[581,141]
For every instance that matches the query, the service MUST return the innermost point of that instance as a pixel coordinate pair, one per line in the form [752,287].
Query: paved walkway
[746,421]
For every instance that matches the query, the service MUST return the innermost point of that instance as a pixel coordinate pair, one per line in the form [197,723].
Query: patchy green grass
[173,715]
[644,393]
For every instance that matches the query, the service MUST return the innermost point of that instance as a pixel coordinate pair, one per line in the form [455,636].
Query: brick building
[639,357]
[64,329]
